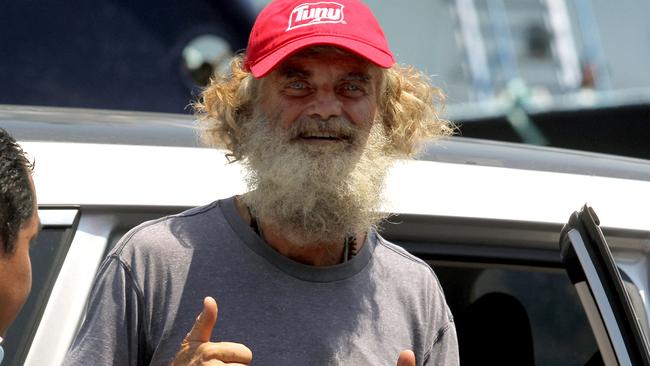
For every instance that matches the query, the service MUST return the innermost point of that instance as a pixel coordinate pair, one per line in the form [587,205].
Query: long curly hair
[409,107]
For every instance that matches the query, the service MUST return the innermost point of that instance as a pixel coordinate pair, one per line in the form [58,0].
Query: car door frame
[593,271]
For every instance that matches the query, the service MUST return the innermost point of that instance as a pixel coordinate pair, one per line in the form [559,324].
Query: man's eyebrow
[294,72]
[358,76]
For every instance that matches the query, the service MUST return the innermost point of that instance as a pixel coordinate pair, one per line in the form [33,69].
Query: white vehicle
[487,216]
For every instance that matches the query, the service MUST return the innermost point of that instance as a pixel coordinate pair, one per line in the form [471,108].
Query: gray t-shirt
[363,312]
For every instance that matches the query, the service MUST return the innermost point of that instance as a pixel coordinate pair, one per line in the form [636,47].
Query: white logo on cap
[315,13]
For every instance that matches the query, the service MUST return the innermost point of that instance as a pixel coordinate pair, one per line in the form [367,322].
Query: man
[316,111]
[19,226]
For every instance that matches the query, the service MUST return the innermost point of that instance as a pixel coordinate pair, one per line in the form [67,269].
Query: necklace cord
[349,243]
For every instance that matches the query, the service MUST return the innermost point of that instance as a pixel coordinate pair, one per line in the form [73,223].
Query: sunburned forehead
[324,51]
[305,62]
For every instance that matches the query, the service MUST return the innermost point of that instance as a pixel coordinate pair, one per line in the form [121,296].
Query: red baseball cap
[286,26]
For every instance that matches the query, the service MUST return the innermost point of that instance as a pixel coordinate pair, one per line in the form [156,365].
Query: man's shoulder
[402,266]
[397,255]
[170,232]
[413,276]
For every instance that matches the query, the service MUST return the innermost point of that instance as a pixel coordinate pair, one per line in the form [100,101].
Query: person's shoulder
[403,266]
[397,255]
[414,276]
[167,233]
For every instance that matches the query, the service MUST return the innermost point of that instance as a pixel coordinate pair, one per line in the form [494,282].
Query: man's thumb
[202,329]
[406,358]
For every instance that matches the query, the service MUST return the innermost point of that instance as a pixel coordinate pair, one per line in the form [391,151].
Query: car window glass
[558,332]
[47,255]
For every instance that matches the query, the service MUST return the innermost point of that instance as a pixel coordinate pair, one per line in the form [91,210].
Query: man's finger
[227,352]
[406,358]
[202,329]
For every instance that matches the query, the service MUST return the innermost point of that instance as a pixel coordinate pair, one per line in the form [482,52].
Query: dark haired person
[19,225]
[316,111]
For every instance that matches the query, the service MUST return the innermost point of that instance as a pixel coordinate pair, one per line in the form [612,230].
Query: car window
[47,255]
[494,301]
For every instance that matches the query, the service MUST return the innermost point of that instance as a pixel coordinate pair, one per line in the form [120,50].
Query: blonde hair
[410,109]
[408,106]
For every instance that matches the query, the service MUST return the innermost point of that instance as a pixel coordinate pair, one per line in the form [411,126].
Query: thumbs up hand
[406,358]
[197,350]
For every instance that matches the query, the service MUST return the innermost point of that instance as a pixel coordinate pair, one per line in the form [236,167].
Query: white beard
[315,193]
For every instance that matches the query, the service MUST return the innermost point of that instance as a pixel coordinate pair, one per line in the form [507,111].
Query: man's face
[316,156]
[322,86]
[16,271]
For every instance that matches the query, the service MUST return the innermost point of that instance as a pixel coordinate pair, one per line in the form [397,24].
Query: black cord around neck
[349,247]
[254,225]
[349,243]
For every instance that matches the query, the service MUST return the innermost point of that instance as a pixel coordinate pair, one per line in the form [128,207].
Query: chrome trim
[600,298]
[66,305]
[57,217]
[597,324]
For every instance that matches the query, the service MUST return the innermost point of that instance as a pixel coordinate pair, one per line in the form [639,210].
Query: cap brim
[372,54]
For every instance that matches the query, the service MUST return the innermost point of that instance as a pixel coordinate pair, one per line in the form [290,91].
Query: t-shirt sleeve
[445,348]
[113,330]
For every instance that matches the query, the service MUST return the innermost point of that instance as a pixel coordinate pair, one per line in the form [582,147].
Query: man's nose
[325,105]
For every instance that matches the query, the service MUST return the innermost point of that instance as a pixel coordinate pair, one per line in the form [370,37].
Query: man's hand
[197,350]
[406,358]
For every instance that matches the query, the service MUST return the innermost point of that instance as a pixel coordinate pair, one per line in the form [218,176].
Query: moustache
[339,128]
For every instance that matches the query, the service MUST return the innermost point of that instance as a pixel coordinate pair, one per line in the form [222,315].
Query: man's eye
[297,85]
[297,88]
[352,90]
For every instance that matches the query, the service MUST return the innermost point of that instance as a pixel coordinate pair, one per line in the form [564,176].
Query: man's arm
[113,331]
[445,348]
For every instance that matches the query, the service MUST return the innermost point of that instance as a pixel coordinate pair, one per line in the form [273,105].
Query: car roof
[165,129]
[98,126]
[86,157]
